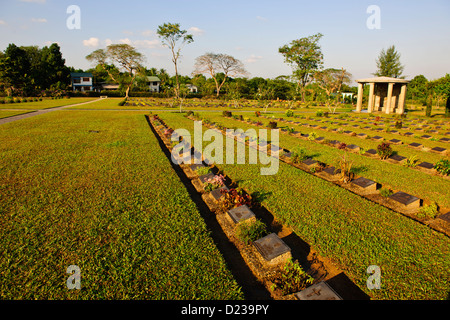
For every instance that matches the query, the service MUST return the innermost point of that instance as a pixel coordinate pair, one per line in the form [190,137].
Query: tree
[171,35]
[388,64]
[331,80]
[417,87]
[305,57]
[15,71]
[213,64]
[122,57]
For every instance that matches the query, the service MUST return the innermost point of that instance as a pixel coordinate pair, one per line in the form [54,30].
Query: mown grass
[94,189]
[45,103]
[395,176]
[7,113]
[350,230]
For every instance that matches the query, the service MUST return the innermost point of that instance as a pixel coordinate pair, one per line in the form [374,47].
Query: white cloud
[148,33]
[49,43]
[92,42]
[39,20]
[253,58]
[126,41]
[145,43]
[196,31]
[108,42]
[3,23]
[261,18]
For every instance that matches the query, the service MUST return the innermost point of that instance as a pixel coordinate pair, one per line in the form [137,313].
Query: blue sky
[251,31]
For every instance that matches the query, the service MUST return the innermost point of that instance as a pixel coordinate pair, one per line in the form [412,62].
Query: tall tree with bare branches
[174,38]
[213,64]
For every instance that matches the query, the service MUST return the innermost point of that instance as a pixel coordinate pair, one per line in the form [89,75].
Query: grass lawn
[10,113]
[45,103]
[94,189]
[395,176]
[350,230]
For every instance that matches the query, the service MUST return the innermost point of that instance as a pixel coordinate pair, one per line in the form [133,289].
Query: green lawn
[45,103]
[94,189]
[350,230]
[8,113]
[395,176]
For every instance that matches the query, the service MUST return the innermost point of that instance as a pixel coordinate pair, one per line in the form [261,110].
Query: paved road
[38,112]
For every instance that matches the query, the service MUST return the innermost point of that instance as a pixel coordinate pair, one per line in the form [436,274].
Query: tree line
[27,71]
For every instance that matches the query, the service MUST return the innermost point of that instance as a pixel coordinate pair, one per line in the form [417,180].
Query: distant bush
[289,113]
[227,114]
[272,125]
[428,211]
[443,166]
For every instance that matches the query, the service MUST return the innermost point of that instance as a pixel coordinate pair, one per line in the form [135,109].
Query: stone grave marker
[361,135]
[395,141]
[396,158]
[439,150]
[318,291]
[377,138]
[309,163]
[426,166]
[371,153]
[408,134]
[364,184]
[426,136]
[415,145]
[353,147]
[406,200]
[444,140]
[272,249]
[216,194]
[320,139]
[445,217]
[240,214]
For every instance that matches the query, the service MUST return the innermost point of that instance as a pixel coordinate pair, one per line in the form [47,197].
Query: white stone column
[389,98]
[401,100]
[360,97]
[371,97]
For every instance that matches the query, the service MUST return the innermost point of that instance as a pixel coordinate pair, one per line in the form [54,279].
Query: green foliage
[411,161]
[249,231]
[272,125]
[319,113]
[289,113]
[386,192]
[291,279]
[443,166]
[203,170]
[235,197]
[429,211]
[384,150]
[388,64]
[299,154]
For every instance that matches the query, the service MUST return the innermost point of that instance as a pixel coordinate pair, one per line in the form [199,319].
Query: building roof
[80,74]
[382,80]
[153,78]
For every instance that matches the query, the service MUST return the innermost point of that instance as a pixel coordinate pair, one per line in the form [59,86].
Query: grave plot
[318,291]
[405,201]
[240,214]
[364,186]
[272,250]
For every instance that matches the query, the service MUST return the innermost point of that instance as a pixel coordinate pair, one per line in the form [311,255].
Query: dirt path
[39,112]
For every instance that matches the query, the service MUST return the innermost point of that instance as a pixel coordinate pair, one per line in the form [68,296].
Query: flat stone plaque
[408,134]
[365,184]
[206,177]
[196,166]
[318,291]
[395,141]
[396,158]
[377,138]
[353,147]
[331,171]
[426,165]
[309,162]
[415,145]
[347,132]
[444,140]
[445,217]
[405,199]
[216,194]
[426,136]
[320,139]
[371,152]
[439,150]
[240,213]
[361,135]
[271,247]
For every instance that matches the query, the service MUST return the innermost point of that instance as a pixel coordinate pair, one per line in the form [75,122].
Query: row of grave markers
[400,201]
[272,250]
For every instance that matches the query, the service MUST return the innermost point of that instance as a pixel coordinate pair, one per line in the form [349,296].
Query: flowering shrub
[342,146]
[272,124]
[213,183]
[384,150]
[234,198]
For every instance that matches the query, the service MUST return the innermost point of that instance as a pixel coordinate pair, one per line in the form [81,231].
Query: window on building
[86,79]
[76,80]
